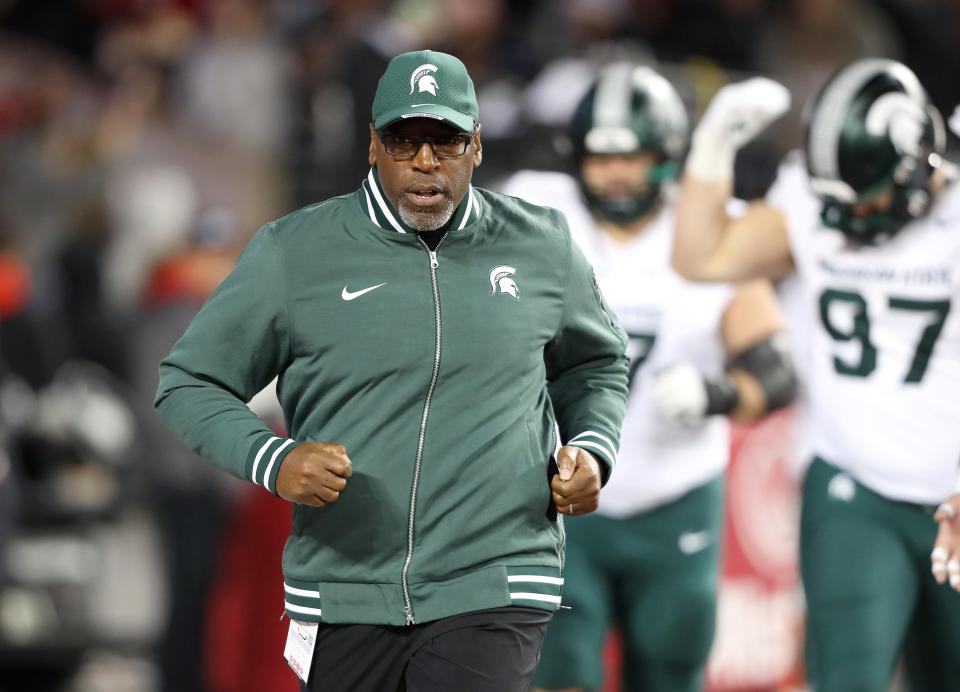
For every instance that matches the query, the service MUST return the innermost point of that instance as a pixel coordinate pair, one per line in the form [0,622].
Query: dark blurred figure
[930,32]
[492,44]
[574,28]
[71,25]
[189,502]
[340,51]
[725,32]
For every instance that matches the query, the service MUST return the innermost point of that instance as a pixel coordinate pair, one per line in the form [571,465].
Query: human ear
[478,149]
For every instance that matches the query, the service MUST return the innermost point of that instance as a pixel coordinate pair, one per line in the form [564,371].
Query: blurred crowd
[142,142]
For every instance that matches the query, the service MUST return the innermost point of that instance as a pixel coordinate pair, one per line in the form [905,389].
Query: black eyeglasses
[444,146]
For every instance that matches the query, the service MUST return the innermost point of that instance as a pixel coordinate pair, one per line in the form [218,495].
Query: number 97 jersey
[883,347]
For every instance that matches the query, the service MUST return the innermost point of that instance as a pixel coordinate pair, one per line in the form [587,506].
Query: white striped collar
[382,213]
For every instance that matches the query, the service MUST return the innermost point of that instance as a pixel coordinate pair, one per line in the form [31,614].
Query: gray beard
[426,221]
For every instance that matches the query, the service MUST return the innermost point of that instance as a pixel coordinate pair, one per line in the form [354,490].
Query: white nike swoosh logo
[347,295]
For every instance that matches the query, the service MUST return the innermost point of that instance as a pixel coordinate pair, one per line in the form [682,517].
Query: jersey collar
[384,215]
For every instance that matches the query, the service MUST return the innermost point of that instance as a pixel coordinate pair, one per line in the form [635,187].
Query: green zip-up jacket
[445,374]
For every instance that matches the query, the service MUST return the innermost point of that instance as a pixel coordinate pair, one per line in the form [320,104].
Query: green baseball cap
[426,84]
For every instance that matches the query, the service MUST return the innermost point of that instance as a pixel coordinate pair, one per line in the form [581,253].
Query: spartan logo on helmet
[873,135]
[500,281]
[422,79]
[900,118]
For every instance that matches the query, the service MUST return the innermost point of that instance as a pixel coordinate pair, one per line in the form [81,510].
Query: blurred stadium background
[143,141]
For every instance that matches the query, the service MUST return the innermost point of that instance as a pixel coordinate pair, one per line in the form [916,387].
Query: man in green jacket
[438,347]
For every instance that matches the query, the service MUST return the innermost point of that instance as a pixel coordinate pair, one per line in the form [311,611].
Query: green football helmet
[630,109]
[872,130]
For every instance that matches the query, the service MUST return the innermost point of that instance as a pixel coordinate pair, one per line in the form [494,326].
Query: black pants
[493,650]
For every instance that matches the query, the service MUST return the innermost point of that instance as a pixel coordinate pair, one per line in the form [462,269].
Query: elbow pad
[771,365]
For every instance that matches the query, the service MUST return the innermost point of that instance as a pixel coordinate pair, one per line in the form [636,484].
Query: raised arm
[709,245]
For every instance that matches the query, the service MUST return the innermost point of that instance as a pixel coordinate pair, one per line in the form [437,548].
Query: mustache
[423,181]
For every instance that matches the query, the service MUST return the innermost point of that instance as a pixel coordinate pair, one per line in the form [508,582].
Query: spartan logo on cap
[500,281]
[423,80]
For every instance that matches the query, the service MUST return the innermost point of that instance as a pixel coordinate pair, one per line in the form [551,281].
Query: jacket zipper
[408,604]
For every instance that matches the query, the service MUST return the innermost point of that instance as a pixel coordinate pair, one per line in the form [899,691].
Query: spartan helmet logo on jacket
[422,79]
[630,109]
[500,281]
[873,131]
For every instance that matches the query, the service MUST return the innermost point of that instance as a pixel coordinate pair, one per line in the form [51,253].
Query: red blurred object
[760,616]
[612,662]
[14,285]
[188,276]
[245,635]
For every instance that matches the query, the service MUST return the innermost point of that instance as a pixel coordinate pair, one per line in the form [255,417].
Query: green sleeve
[587,366]
[237,343]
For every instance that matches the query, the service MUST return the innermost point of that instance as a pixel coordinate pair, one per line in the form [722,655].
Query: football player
[868,219]
[647,560]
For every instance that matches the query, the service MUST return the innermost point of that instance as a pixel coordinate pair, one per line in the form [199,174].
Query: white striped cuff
[266,461]
[595,442]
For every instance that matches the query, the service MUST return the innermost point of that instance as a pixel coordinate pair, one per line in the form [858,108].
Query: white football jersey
[669,320]
[882,361]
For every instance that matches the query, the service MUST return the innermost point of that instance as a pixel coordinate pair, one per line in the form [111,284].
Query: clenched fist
[576,488]
[736,114]
[315,473]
